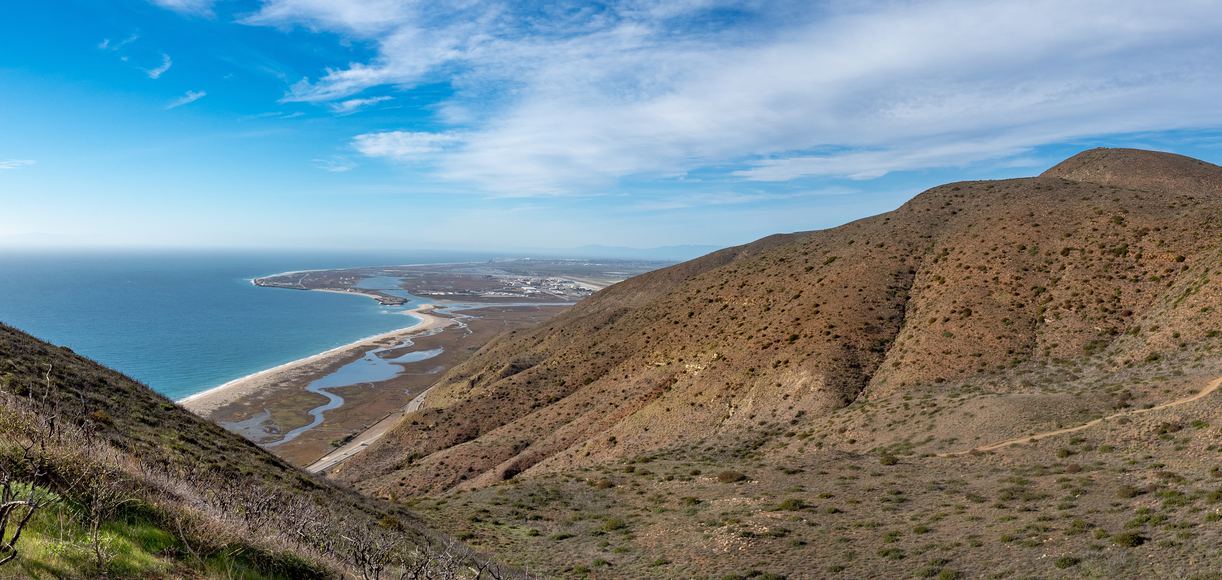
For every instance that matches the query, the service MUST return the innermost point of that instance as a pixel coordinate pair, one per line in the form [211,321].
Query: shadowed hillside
[125,483]
[976,312]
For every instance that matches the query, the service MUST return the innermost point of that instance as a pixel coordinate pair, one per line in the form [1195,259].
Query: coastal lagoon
[186,322]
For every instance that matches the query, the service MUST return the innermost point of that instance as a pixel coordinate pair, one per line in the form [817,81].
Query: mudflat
[265,406]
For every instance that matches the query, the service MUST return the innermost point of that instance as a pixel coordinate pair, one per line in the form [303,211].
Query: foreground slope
[132,485]
[764,380]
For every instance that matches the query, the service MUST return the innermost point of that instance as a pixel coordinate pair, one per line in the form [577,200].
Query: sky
[482,125]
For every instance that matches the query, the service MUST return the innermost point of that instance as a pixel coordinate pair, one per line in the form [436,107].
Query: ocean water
[184,322]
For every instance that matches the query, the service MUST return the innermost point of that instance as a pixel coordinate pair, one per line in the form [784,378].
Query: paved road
[367,436]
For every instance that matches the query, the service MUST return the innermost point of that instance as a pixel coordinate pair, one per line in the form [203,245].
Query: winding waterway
[372,367]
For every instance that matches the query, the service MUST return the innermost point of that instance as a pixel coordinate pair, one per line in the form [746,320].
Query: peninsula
[324,407]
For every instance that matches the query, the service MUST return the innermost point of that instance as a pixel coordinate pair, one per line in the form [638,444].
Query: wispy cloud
[404,145]
[193,7]
[186,99]
[156,72]
[353,105]
[6,164]
[364,18]
[687,201]
[861,165]
[279,115]
[114,46]
[556,99]
[335,164]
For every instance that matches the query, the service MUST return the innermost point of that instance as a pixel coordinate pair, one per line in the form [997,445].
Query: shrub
[101,417]
[1127,492]
[1066,562]
[891,553]
[791,505]
[731,476]
[1128,539]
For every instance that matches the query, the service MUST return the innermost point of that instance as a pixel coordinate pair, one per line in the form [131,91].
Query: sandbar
[209,401]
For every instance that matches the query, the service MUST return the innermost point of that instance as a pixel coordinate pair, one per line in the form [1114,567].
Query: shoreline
[205,402]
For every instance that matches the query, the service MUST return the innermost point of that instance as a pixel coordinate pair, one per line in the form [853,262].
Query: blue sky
[515,125]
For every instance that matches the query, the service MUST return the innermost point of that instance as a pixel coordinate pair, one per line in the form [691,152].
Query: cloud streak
[8,164]
[349,106]
[114,46]
[558,99]
[156,72]
[187,98]
[407,146]
[335,164]
[191,7]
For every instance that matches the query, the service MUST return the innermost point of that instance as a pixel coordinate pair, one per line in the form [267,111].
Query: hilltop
[775,387]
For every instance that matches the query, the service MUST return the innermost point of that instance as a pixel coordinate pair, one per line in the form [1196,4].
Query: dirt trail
[1209,389]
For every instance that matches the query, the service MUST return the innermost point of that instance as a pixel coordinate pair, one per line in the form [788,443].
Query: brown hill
[1106,254]
[999,379]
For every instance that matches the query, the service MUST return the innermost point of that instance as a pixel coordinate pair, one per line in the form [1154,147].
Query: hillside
[975,313]
[128,484]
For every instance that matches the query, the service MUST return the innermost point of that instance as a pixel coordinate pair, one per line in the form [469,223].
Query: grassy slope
[185,479]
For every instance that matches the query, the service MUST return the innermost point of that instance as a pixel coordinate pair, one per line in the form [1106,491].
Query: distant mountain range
[660,253]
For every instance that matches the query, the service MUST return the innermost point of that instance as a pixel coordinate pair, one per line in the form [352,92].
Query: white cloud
[404,145]
[156,72]
[114,46]
[572,100]
[277,115]
[15,163]
[353,105]
[703,200]
[335,164]
[194,7]
[363,17]
[872,164]
[186,99]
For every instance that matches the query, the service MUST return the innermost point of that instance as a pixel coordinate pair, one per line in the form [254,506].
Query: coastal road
[367,437]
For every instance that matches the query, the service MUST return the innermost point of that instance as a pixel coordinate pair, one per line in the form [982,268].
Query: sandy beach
[209,401]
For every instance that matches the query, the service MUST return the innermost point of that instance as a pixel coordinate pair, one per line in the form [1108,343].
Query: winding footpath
[1208,390]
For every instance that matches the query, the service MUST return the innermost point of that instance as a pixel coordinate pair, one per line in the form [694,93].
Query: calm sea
[185,322]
